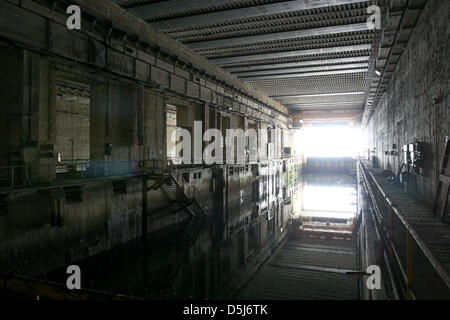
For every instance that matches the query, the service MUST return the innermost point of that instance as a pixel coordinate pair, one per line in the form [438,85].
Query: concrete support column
[247,149]
[99,123]
[162,132]
[38,110]
[206,124]
[154,128]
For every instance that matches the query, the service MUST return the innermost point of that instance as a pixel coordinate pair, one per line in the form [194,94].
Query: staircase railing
[190,191]
[180,250]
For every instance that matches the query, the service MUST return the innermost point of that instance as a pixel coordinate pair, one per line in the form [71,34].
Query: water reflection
[130,269]
[334,201]
[214,268]
[326,203]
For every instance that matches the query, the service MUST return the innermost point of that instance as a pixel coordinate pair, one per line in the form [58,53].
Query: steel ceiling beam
[327,115]
[318,95]
[319,17]
[306,74]
[285,54]
[297,70]
[279,36]
[324,104]
[297,64]
[174,6]
[250,12]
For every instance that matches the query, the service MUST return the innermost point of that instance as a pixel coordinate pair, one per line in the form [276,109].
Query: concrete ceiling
[311,55]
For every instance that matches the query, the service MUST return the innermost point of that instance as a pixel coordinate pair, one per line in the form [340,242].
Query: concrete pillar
[38,110]
[154,138]
[99,127]
[247,150]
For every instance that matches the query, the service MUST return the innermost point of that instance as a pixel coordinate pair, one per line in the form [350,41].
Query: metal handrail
[189,190]
[11,173]
[381,236]
[195,194]
[38,289]
[39,173]
[412,235]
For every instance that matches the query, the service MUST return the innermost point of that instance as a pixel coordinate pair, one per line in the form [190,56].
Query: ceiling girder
[337,54]
[305,74]
[297,53]
[297,64]
[248,12]
[287,72]
[174,6]
[328,116]
[318,95]
[279,36]
[328,105]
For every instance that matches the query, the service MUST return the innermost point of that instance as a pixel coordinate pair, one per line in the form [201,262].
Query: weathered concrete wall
[127,21]
[72,125]
[109,52]
[41,233]
[416,105]
[114,116]
[27,116]
[10,91]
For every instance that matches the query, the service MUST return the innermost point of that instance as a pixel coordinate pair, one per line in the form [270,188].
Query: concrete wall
[132,119]
[42,232]
[10,128]
[73,124]
[52,220]
[416,104]
[126,21]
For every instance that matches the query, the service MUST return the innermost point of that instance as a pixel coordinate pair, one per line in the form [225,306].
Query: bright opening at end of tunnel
[330,141]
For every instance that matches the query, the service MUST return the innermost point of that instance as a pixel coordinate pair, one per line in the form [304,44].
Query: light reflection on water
[327,200]
[339,200]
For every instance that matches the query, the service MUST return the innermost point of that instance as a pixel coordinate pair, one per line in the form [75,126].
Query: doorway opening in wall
[72,147]
[181,115]
[171,125]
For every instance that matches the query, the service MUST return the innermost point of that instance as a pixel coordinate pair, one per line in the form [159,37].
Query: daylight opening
[330,141]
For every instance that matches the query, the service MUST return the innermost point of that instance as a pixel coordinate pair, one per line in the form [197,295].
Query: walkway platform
[430,234]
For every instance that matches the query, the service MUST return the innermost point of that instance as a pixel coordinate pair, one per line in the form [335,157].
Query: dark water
[138,268]
[128,269]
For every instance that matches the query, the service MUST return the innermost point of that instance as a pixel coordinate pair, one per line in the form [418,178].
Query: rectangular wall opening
[72,127]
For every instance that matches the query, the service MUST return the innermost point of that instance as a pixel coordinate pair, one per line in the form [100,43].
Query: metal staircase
[179,252]
[174,192]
